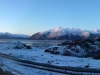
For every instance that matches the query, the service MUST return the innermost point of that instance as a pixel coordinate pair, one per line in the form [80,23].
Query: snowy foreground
[38,54]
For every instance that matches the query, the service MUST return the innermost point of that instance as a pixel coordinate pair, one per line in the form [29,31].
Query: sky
[31,16]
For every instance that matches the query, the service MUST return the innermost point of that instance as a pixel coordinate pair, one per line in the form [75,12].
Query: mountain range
[7,35]
[60,33]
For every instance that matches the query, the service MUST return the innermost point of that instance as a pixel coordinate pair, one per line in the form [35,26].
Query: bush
[48,50]
[53,52]
[21,45]
[77,51]
[87,66]
[28,47]
[5,72]
[89,40]
[55,48]
[98,39]
[86,45]
[96,56]
[67,53]
[64,43]
[17,47]
[59,44]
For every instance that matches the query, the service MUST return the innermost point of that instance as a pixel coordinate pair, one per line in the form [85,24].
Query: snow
[38,55]
[60,31]
[15,35]
[95,31]
[16,69]
[86,34]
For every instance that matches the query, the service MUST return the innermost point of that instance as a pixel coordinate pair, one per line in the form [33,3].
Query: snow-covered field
[37,54]
[16,69]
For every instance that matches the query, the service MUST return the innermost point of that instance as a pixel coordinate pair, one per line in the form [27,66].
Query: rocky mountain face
[60,33]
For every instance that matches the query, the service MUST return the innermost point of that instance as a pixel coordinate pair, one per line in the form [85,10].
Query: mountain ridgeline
[13,36]
[60,33]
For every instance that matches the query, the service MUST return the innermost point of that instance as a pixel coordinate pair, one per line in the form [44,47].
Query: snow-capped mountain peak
[59,27]
[66,33]
[96,30]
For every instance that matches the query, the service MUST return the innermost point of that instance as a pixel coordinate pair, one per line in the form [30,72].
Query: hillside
[80,48]
[12,36]
[60,33]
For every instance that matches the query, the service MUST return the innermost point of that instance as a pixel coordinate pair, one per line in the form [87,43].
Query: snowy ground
[38,55]
[16,69]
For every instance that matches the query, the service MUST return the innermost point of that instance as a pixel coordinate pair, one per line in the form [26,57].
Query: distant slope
[60,33]
[12,36]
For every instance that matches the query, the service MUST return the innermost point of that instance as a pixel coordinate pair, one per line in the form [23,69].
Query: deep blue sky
[30,16]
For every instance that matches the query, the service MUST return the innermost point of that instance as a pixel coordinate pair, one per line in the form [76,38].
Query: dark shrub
[73,49]
[48,50]
[86,45]
[69,47]
[8,73]
[1,71]
[87,66]
[24,45]
[21,45]
[98,39]
[5,72]
[55,48]
[64,43]
[59,44]
[77,51]
[67,53]
[54,52]
[28,47]
[96,56]
[90,41]
[17,47]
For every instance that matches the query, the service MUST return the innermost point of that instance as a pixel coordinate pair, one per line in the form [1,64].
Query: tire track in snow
[54,68]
